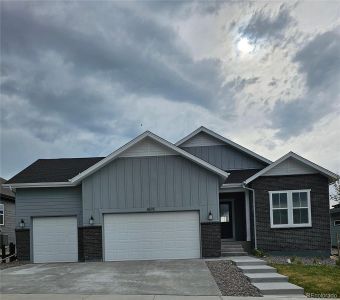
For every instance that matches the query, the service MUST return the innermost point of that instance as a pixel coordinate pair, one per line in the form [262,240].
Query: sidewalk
[131,297]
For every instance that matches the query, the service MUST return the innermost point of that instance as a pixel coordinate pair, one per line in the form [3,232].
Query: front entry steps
[232,248]
[265,278]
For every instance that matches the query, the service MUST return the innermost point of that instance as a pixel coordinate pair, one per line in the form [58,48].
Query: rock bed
[230,280]
[303,260]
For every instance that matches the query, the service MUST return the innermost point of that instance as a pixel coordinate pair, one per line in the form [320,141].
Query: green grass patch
[315,280]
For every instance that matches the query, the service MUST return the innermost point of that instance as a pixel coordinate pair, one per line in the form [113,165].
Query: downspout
[254,212]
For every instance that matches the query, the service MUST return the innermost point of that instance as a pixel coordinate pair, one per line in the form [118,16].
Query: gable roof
[71,171]
[53,170]
[223,140]
[165,143]
[330,175]
[6,192]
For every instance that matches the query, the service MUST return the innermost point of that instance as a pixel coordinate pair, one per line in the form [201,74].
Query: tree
[336,195]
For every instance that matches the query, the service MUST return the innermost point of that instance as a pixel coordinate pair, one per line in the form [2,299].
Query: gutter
[254,213]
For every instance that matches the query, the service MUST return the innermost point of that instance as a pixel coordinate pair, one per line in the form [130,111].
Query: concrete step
[278,288]
[233,253]
[257,269]
[245,262]
[231,243]
[232,249]
[266,277]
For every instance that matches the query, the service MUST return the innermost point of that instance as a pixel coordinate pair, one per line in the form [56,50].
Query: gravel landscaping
[302,260]
[231,280]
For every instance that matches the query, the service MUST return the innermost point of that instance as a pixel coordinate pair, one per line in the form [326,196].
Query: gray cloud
[48,63]
[319,62]
[261,25]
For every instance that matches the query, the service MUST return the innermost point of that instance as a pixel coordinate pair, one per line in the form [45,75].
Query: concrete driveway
[170,277]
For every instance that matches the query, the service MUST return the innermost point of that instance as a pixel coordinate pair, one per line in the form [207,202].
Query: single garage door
[141,236]
[55,239]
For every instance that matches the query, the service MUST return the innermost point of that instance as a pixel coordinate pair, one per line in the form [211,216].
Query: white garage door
[141,236]
[55,239]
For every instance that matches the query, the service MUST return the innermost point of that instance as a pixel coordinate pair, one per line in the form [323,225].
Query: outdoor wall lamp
[210,216]
[91,220]
[22,223]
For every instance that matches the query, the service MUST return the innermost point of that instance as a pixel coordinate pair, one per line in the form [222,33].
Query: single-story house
[151,199]
[335,224]
[7,215]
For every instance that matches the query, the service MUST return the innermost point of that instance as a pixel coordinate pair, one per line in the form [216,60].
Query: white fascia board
[162,141]
[331,176]
[225,140]
[38,184]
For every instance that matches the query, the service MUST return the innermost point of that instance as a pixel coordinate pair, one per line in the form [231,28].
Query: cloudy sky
[82,78]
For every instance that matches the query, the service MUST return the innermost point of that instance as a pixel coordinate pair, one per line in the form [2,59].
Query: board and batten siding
[225,157]
[48,202]
[163,183]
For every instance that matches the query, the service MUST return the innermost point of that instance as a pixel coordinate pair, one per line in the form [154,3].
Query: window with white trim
[290,208]
[336,222]
[2,214]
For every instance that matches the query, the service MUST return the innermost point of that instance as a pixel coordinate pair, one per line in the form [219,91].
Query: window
[336,222]
[290,209]
[2,214]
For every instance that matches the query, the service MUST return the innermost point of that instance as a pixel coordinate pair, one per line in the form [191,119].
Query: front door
[226,219]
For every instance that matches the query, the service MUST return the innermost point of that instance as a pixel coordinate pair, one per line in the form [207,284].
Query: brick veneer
[90,243]
[211,239]
[315,239]
[23,244]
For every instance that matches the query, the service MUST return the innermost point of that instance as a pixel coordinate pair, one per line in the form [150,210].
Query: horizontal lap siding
[43,202]
[9,226]
[137,183]
[225,157]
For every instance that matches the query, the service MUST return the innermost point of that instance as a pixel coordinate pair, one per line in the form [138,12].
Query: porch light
[22,223]
[210,216]
[91,220]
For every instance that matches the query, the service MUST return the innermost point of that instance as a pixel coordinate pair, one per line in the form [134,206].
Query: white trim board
[224,140]
[331,176]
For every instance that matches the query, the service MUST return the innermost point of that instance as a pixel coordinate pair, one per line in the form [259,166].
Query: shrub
[258,253]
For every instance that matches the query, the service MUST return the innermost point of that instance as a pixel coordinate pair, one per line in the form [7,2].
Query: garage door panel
[151,236]
[55,239]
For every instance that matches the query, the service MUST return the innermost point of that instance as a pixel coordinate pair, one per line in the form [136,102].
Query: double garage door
[137,236]
[142,236]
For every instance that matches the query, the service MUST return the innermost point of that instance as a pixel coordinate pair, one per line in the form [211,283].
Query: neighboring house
[335,224]
[7,214]
[152,199]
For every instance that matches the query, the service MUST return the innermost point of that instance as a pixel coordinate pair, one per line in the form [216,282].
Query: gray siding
[166,183]
[225,157]
[39,202]
[335,229]
[9,227]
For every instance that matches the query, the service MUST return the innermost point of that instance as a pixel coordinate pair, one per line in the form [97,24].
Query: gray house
[7,215]
[152,199]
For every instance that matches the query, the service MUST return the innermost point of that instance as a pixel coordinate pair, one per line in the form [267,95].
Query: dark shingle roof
[54,170]
[6,192]
[238,176]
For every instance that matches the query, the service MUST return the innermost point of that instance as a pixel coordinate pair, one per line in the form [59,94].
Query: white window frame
[2,208]
[290,209]
[335,223]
